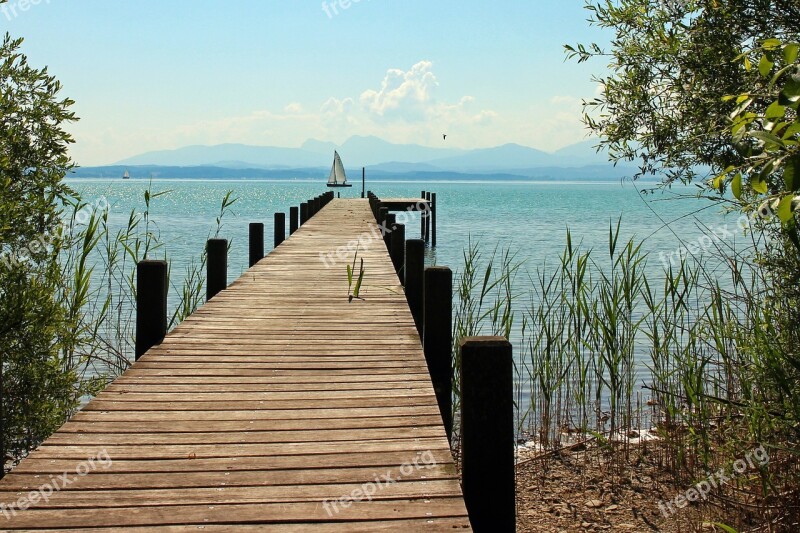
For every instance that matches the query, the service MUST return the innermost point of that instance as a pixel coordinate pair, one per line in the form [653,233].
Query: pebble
[593,504]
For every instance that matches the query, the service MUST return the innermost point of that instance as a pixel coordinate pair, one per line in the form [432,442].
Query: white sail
[337,176]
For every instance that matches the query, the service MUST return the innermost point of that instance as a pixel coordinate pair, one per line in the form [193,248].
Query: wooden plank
[273,399]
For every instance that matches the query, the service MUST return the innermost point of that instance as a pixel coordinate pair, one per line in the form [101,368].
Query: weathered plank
[275,406]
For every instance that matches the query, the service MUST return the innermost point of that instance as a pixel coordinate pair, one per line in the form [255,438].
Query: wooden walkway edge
[277,406]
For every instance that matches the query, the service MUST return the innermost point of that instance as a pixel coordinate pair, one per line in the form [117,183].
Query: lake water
[530,218]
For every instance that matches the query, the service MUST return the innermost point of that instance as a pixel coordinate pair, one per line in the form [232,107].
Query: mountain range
[380,157]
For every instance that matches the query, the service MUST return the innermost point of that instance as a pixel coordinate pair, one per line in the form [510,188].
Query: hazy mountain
[583,153]
[375,153]
[366,151]
[240,155]
[499,158]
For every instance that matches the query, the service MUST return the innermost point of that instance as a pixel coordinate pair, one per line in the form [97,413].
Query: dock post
[312,208]
[438,338]
[151,305]
[428,219]
[217,267]
[398,252]
[487,433]
[433,220]
[422,221]
[256,242]
[280,228]
[391,220]
[363,180]
[294,214]
[383,212]
[414,279]
[303,213]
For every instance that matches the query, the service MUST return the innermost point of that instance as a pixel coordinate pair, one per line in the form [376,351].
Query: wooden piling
[256,242]
[487,433]
[414,279]
[398,251]
[280,228]
[303,213]
[383,212]
[294,214]
[433,220]
[422,222]
[217,267]
[391,220]
[428,219]
[438,338]
[151,305]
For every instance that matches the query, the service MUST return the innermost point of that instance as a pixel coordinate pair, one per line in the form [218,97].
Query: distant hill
[389,171]
[372,152]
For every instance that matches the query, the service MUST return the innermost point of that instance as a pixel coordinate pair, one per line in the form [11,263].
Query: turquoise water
[530,218]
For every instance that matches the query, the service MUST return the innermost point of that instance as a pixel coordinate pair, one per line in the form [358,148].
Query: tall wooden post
[294,214]
[303,213]
[433,220]
[487,433]
[363,180]
[438,338]
[217,267]
[428,219]
[256,242]
[151,305]
[422,221]
[280,228]
[414,279]
[391,220]
[383,212]
[398,252]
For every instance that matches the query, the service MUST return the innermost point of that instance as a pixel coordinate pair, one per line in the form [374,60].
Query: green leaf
[775,110]
[785,208]
[771,44]
[726,529]
[736,186]
[791,174]
[719,182]
[758,183]
[765,66]
[790,52]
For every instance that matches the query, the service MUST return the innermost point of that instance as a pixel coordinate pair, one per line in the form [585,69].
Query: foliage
[672,64]
[766,132]
[67,275]
[722,370]
[36,326]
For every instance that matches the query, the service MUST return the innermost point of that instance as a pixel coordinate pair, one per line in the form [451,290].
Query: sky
[154,75]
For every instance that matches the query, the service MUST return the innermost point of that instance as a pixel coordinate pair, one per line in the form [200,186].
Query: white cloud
[404,107]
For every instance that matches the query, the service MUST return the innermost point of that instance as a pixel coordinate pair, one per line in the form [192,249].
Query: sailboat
[127,175]
[337,177]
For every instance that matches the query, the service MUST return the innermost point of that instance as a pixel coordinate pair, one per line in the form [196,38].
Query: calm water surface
[530,218]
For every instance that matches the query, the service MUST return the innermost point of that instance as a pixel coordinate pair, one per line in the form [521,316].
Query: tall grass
[100,260]
[484,303]
[686,370]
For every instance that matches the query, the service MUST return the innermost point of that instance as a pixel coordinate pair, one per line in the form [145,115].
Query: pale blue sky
[163,74]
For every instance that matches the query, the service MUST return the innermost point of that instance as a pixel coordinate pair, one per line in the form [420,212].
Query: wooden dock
[279,406]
